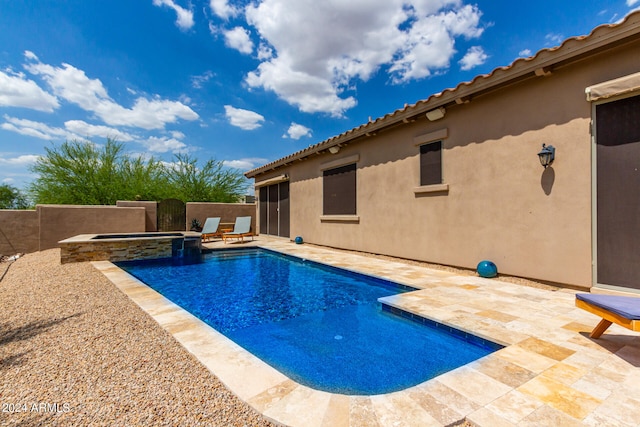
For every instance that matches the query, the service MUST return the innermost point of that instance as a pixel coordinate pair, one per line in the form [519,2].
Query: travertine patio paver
[550,373]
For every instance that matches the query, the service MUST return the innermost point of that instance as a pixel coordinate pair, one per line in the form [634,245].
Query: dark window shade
[339,190]
[431,163]
[617,122]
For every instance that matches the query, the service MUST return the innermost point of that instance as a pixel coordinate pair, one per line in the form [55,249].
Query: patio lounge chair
[210,229]
[241,229]
[624,311]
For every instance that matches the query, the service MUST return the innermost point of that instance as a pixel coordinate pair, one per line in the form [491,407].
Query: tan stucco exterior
[498,203]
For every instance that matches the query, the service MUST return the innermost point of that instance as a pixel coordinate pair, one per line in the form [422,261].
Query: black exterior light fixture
[546,155]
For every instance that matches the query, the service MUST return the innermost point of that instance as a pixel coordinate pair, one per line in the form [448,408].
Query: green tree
[12,198]
[212,182]
[83,173]
[142,180]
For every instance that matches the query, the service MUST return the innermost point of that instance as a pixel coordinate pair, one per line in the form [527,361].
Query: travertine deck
[550,373]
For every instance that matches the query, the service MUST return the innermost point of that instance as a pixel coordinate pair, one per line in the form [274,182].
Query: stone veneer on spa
[93,247]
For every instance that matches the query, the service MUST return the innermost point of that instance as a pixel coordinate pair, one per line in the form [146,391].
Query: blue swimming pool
[319,325]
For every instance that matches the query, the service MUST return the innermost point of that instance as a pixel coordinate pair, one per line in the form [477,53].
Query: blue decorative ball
[298,240]
[487,269]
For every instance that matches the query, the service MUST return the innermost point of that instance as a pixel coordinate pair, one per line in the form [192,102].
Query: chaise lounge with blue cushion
[210,229]
[241,229]
[623,311]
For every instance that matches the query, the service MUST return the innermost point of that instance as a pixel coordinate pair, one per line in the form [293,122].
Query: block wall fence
[24,231]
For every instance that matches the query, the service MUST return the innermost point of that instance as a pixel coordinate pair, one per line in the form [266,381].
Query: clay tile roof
[543,62]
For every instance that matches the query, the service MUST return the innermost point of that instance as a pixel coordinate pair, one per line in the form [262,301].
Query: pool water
[319,325]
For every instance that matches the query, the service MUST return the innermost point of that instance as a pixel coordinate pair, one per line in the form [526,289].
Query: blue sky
[247,82]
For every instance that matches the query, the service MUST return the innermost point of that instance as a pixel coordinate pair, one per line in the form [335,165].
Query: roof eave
[570,51]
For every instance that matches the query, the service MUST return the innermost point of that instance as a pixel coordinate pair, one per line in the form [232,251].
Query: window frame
[339,190]
[435,137]
[348,215]
[429,168]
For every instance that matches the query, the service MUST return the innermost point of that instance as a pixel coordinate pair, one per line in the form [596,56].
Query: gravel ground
[75,351]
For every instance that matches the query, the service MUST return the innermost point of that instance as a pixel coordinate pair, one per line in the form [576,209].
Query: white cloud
[17,91]
[80,130]
[309,93]
[73,85]
[24,160]
[147,113]
[264,52]
[632,3]
[318,49]
[223,9]
[184,19]
[30,55]
[198,81]
[633,9]
[297,131]
[164,145]
[245,164]
[475,56]
[244,119]
[87,130]
[554,39]
[35,129]
[238,38]
[525,53]
[213,29]
[27,131]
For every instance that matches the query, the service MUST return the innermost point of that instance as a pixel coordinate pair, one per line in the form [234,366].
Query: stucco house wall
[499,202]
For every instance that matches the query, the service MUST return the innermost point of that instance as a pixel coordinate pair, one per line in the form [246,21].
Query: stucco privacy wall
[59,222]
[151,215]
[228,212]
[500,204]
[18,231]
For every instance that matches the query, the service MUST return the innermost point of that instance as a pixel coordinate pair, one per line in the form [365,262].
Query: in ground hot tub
[185,246]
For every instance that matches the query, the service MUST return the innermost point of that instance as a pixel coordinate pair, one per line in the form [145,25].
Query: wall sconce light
[334,149]
[546,155]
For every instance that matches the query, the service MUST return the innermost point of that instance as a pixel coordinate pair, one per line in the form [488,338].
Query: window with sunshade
[339,190]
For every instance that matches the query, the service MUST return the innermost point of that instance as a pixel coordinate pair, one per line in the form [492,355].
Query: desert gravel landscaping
[76,351]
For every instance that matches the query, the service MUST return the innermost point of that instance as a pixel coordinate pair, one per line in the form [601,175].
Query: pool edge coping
[281,398]
[159,307]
